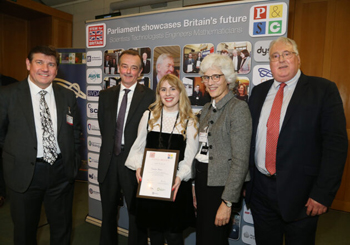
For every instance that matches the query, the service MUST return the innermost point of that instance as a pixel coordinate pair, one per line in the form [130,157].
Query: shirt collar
[291,82]
[132,88]
[223,101]
[35,89]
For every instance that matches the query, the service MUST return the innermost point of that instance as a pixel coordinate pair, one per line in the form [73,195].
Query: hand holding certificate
[158,174]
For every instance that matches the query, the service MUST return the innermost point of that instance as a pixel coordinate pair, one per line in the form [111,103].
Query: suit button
[209,134]
[210,158]
[212,122]
[210,147]
[214,110]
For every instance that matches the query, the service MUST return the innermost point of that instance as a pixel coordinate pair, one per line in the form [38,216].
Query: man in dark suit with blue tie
[298,151]
[119,112]
[40,138]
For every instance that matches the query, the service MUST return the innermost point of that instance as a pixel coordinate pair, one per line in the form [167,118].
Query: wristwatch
[228,204]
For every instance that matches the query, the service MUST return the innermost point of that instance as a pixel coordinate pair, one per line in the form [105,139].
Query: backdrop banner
[176,41]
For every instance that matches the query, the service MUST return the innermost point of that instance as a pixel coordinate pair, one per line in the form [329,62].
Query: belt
[41,159]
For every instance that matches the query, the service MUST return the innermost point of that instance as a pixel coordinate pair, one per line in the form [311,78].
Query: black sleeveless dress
[167,215]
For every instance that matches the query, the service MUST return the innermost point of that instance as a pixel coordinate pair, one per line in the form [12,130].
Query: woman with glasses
[222,159]
[169,124]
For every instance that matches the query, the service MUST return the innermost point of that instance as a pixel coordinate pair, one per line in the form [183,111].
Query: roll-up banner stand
[72,75]
[188,35]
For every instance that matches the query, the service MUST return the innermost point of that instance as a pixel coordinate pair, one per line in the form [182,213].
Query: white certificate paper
[158,174]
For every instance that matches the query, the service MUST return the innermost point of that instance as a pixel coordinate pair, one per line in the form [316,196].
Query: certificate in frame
[158,173]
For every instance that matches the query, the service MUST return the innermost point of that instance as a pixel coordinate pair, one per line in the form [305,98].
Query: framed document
[158,173]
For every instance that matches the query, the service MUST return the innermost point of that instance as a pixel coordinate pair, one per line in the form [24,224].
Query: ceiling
[52,2]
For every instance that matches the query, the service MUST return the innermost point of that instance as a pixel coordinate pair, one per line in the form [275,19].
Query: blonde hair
[185,110]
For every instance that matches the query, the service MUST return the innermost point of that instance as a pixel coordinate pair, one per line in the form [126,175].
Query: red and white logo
[96,35]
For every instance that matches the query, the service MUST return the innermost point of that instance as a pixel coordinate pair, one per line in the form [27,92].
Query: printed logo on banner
[248,236]
[96,35]
[91,110]
[92,174]
[94,75]
[93,160]
[261,73]
[268,20]
[94,58]
[94,143]
[92,127]
[94,192]
[92,92]
[261,51]
[247,215]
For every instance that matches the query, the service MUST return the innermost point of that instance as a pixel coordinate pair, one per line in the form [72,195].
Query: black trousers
[269,226]
[159,237]
[51,188]
[119,178]
[2,181]
[208,202]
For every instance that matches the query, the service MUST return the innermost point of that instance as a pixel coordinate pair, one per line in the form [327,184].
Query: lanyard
[160,146]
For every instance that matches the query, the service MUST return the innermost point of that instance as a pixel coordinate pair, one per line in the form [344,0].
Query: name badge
[204,150]
[203,137]
[69,119]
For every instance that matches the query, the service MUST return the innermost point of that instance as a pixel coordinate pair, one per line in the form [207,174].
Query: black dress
[167,215]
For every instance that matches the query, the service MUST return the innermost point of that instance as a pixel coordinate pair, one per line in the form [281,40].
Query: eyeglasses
[286,55]
[214,77]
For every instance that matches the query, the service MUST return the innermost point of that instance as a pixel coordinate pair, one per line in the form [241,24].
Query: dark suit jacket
[146,68]
[187,63]
[312,145]
[18,136]
[239,61]
[107,118]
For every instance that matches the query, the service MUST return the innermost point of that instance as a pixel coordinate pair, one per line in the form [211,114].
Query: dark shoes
[2,201]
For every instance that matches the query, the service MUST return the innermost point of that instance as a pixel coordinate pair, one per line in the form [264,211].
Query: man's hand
[223,215]
[315,208]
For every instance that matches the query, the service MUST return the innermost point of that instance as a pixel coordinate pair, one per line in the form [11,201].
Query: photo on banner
[166,61]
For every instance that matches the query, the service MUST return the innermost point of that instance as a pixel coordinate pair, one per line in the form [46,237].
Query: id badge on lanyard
[203,138]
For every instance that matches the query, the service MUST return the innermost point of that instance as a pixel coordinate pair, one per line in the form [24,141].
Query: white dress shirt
[51,103]
[260,143]
[135,157]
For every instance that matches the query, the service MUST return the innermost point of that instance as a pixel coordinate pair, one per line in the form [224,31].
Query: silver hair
[221,62]
[162,57]
[286,40]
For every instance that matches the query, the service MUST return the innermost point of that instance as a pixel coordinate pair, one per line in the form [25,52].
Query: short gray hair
[162,57]
[221,62]
[285,40]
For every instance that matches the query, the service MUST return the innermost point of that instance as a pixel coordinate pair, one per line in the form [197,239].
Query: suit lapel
[27,106]
[59,99]
[297,96]
[114,104]
[137,97]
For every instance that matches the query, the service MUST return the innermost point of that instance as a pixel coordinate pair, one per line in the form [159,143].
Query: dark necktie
[49,143]
[120,124]
[273,127]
